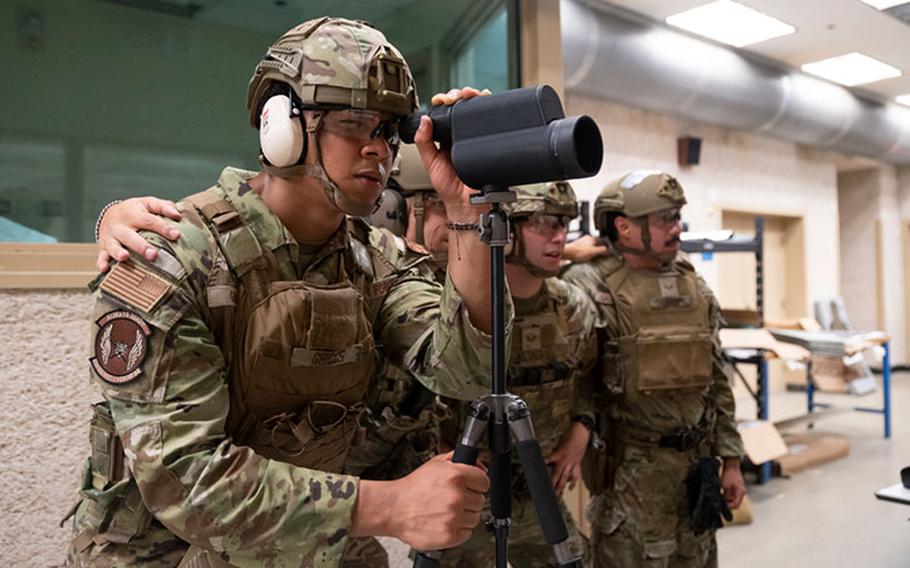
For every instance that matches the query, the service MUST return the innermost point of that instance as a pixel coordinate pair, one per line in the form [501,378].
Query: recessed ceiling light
[883,4]
[731,23]
[852,69]
[903,99]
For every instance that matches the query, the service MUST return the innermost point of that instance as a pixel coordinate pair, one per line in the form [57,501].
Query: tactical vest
[541,369]
[663,342]
[300,353]
[401,419]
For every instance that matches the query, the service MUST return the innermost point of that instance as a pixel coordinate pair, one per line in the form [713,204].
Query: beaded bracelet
[101,216]
[462,226]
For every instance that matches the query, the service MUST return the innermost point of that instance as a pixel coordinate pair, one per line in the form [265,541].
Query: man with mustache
[665,405]
[249,344]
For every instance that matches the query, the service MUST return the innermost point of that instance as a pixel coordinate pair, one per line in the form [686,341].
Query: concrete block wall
[872,215]
[859,206]
[893,315]
[738,171]
[45,399]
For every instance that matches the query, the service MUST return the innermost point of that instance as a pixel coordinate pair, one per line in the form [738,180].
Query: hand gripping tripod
[501,412]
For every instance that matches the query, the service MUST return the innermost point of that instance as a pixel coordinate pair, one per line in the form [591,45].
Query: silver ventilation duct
[610,53]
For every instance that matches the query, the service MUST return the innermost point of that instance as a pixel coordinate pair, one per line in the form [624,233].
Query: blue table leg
[810,389]
[886,385]
[763,388]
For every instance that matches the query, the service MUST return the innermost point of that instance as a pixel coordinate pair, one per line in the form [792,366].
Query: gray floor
[828,516]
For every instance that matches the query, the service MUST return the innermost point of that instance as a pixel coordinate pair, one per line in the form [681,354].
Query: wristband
[462,226]
[585,421]
[101,216]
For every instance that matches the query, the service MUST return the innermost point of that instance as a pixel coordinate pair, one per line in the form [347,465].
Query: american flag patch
[135,286]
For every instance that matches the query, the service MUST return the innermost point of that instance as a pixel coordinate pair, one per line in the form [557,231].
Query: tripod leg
[500,494]
[545,501]
[465,452]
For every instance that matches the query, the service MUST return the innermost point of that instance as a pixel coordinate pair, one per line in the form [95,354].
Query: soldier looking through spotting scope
[549,364]
[210,448]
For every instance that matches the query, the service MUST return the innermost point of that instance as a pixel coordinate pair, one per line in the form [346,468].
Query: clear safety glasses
[362,125]
[547,225]
[666,218]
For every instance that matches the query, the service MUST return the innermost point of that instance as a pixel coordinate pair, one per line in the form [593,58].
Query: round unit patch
[120,346]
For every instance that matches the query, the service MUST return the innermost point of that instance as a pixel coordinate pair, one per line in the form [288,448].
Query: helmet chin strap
[663,258]
[338,198]
[419,211]
[518,256]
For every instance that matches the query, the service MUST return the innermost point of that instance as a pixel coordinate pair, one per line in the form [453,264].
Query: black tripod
[500,412]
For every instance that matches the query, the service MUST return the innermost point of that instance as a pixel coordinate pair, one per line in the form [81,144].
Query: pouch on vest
[319,436]
[670,359]
[308,355]
[618,357]
[112,509]
[550,404]
[304,343]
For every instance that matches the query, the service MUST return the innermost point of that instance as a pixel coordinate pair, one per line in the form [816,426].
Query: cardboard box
[761,440]
[832,375]
[829,374]
[761,339]
[741,318]
[811,449]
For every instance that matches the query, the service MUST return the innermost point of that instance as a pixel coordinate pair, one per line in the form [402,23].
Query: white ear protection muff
[281,135]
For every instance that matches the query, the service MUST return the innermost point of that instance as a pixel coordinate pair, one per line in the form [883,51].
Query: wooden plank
[46,265]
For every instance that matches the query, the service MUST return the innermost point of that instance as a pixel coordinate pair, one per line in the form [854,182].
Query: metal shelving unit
[753,245]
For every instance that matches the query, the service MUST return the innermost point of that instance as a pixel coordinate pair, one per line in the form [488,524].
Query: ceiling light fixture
[851,69]
[883,4]
[731,23]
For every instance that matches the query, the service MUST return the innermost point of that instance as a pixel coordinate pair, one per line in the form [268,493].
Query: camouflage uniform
[208,439]
[552,352]
[663,385]
[399,433]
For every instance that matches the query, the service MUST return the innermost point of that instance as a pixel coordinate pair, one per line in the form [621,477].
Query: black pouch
[706,503]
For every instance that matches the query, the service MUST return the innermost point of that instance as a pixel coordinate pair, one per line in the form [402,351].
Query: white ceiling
[824,28]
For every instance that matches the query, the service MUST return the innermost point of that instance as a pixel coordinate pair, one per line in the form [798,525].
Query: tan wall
[738,171]
[44,397]
[783,262]
[891,268]
[858,238]
[873,282]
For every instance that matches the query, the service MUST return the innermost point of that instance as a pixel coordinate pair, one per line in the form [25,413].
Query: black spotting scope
[516,137]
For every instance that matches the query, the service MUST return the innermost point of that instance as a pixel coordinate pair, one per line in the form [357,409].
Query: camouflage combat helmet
[409,179]
[553,198]
[409,173]
[637,194]
[332,63]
